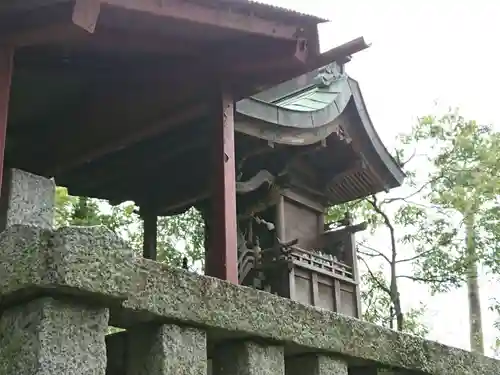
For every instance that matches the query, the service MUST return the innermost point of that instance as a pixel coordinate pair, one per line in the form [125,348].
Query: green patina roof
[312,99]
[310,108]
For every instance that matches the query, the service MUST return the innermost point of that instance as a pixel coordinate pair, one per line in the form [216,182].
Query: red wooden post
[222,261]
[6,62]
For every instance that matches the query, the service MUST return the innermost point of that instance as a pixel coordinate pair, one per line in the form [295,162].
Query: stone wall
[59,290]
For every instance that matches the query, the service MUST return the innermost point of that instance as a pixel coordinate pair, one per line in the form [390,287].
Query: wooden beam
[285,56]
[67,34]
[221,17]
[111,40]
[55,33]
[6,67]
[280,219]
[223,257]
[286,65]
[341,52]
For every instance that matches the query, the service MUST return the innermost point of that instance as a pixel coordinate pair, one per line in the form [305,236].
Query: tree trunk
[395,296]
[475,320]
[393,288]
[399,313]
[396,300]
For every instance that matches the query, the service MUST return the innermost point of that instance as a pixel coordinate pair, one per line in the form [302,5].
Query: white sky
[422,51]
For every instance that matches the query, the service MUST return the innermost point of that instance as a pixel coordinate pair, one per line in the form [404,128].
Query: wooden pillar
[280,218]
[351,248]
[150,234]
[6,67]
[222,260]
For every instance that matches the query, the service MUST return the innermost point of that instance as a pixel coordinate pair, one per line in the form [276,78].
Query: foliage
[464,186]
[178,236]
[495,306]
[378,309]
[380,294]
[448,218]
[185,230]
[460,232]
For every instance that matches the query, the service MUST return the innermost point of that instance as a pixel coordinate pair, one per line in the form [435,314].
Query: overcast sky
[422,51]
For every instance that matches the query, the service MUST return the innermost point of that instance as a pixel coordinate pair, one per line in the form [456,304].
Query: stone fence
[60,289]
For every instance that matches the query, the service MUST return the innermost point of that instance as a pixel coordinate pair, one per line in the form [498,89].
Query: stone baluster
[41,336]
[165,349]
[26,199]
[48,337]
[248,358]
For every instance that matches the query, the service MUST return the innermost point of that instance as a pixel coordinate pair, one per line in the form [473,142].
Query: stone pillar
[248,358]
[48,337]
[166,350]
[116,353]
[316,364]
[26,199]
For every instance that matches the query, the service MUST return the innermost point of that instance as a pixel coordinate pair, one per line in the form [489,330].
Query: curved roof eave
[265,119]
[385,157]
[258,117]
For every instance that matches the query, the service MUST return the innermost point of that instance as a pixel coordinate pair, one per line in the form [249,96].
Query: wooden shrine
[313,146]
[224,105]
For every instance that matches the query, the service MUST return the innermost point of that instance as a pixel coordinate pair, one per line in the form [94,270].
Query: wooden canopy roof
[112,97]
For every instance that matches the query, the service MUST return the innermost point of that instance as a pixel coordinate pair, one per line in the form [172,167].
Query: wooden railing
[323,263]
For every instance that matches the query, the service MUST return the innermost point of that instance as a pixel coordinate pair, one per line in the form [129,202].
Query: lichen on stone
[95,262]
[47,337]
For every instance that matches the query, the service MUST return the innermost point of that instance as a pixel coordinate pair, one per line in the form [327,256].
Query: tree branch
[374,278]
[416,256]
[425,279]
[374,203]
[377,252]
[418,191]
[403,163]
